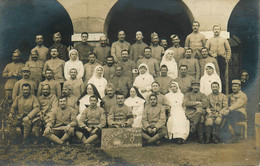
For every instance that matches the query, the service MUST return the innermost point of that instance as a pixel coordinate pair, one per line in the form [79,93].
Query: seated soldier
[47,102]
[153,121]
[91,122]
[196,104]
[110,98]
[71,99]
[236,110]
[24,108]
[62,122]
[217,105]
[120,115]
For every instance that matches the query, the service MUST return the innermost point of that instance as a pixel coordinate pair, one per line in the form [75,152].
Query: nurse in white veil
[169,61]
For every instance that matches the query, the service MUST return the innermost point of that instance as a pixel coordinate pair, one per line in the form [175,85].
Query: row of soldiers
[122,53]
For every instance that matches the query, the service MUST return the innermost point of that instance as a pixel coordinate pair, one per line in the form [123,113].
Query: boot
[216,132]
[208,134]
[153,139]
[200,133]
[81,137]
[65,137]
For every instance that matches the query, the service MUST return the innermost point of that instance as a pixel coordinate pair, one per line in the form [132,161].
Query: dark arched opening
[22,20]
[243,28]
[164,17]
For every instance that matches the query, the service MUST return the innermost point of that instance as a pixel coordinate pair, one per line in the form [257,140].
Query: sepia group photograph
[129,82]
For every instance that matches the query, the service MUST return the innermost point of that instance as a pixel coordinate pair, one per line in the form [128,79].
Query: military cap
[25,68]
[195,82]
[236,82]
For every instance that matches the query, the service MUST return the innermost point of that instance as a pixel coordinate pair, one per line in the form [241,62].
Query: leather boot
[208,134]
[65,137]
[80,136]
[91,139]
[200,133]
[55,139]
[216,133]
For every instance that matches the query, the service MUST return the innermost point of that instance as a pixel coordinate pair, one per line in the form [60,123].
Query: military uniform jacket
[10,69]
[120,114]
[153,117]
[117,47]
[57,67]
[63,51]
[102,53]
[47,103]
[238,102]
[83,50]
[217,102]
[18,87]
[108,103]
[190,100]
[59,117]
[93,117]
[36,68]
[22,107]
[137,49]
[54,85]
[193,67]
[184,83]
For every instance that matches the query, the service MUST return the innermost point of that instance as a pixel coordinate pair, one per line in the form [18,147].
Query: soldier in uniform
[63,51]
[36,67]
[71,99]
[157,51]
[217,105]
[196,104]
[109,99]
[103,50]
[137,48]
[91,122]
[118,46]
[26,79]
[47,102]
[54,84]
[164,80]
[195,40]
[23,110]
[84,48]
[90,66]
[184,79]
[13,70]
[237,109]
[62,122]
[109,68]
[153,121]
[120,115]
[176,48]
[40,48]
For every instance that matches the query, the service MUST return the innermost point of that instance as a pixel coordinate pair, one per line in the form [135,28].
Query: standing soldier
[157,50]
[84,48]
[90,66]
[109,100]
[26,79]
[176,48]
[47,102]
[24,108]
[217,105]
[40,48]
[36,66]
[153,121]
[63,51]
[13,70]
[137,48]
[118,46]
[91,122]
[196,104]
[62,122]
[103,50]
[195,40]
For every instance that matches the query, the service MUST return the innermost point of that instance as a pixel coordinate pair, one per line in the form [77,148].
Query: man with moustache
[184,80]
[55,87]
[176,48]
[195,40]
[62,122]
[24,108]
[26,79]
[103,50]
[192,63]
[71,99]
[90,66]
[153,121]
[109,99]
[84,48]
[157,50]
[36,66]
[207,59]
[196,104]
[164,80]
[120,81]
[13,71]
[40,48]
[47,102]
[118,46]
[217,105]
[109,68]
[137,48]
[164,43]
[62,49]
[120,116]
[56,65]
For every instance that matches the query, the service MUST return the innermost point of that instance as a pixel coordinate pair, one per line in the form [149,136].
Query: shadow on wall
[22,20]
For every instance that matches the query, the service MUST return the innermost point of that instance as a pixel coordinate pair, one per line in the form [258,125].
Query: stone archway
[169,17]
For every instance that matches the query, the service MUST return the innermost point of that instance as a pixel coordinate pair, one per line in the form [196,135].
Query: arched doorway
[164,17]
[22,20]
[243,28]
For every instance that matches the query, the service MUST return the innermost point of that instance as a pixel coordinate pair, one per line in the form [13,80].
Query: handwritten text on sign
[121,137]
